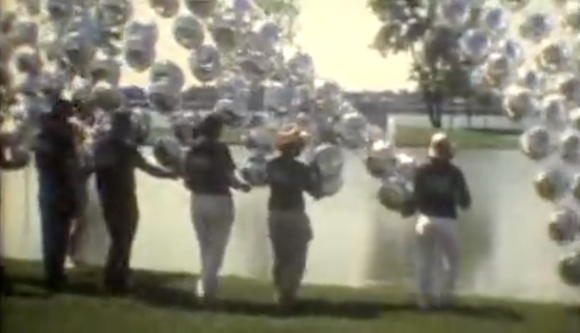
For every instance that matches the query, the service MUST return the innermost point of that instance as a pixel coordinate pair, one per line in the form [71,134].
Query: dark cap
[62,109]
[211,125]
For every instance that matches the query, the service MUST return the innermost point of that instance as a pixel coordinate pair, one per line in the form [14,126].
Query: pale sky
[336,33]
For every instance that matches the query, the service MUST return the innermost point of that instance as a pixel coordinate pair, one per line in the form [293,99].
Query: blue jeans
[56,208]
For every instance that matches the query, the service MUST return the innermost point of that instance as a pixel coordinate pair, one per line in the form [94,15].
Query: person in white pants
[439,189]
[209,173]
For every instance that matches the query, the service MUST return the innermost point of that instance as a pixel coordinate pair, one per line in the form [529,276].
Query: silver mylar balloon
[575,118]
[554,56]
[331,185]
[270,32]
[183,124]
[205,63]
[233,113]
[553,111]
[141,121]
[455,13]
[495,20]
[167,151]
[380,158]
[165,8]
[571,17]
[536,27]
[259,138]
[352,127]
[395,194]
[551,184]
[188,31]
[147,31]
[519,103]
[27,60]
[512,50]
[6,50]
[78,49]
[475,44]
[24,33]
[576,191]
[59,10]
[114,13]
[301,65]
[533,80]
[138,54]
[105,69]
[406,167]
[569,86]
[570,148]
[169,72]
[564,225]
[202,8]
[277,96]
[253,170]
[225,34]
[256,66]
[329,159]
[569,269]
[498,69]
[535,143]
[163,97]
[107,97]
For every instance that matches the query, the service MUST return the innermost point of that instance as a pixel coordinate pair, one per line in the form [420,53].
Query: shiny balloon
[24,33]
[536,27]
[114,13]
[188,31]
[167,151]
[169,72]
[107,97]
[564,225]
[394,194]
[205,63]
[455,13]
[495,20]
[571,17]
[554,57]
[551,184]
[254,169]
[519,103]
[380,158]
[475,44]
[202,8]
[570,148]
[165,8]
[553,111]
[569,269]
[535,143]
[162,97]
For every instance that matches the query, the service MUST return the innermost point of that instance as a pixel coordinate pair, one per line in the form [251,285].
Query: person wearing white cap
[439,189]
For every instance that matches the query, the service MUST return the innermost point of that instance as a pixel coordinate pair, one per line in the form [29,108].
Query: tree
[284,13]
[411,26]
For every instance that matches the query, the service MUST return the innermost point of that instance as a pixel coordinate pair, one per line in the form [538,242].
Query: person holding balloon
[439,189]
[288,223]
[210,173]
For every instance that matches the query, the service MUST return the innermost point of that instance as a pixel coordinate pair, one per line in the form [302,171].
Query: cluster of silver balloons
[81,47]
[528,54]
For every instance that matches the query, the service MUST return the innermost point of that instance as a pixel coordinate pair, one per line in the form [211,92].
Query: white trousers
[213,216]
[438,256]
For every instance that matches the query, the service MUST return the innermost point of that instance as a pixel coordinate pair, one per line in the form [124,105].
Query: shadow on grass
[175,298]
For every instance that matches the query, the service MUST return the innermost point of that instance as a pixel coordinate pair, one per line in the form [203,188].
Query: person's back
[440,188]
[208,166]
[116,177]
[288,179]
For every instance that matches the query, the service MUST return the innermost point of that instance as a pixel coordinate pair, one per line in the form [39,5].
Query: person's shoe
[286,303]
[446,302]
[55,285]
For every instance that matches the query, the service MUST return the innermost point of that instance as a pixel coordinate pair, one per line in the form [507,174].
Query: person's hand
[245,187]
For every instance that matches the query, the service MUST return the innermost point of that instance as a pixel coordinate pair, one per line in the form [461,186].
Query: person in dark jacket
[439,190]
[210,174]
[56,163]
[116,160]
[288,223]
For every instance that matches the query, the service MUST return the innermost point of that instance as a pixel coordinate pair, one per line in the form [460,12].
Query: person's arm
[463,194]
[230,166]
[142,164]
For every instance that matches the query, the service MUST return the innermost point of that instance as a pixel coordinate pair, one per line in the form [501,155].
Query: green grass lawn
[164,303]
[411,136]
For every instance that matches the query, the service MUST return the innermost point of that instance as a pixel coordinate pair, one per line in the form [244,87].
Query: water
[506,250]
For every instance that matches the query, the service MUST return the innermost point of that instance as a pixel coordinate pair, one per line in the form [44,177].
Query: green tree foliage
[284,13]
[412,27]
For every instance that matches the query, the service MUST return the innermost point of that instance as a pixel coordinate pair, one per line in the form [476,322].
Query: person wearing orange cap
[439,189]
[288,223]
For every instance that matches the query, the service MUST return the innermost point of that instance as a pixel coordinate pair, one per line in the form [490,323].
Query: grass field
[413,136]
[164,303]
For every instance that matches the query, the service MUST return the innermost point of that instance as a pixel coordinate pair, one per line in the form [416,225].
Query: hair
[62,109]
[121,120]
[441,147]
[211,127]
[291,149]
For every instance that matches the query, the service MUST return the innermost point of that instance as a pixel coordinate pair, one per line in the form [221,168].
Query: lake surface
[506,250]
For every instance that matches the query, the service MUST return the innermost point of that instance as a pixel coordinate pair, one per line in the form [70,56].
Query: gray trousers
[213,216]
[438,256]
[290,234]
